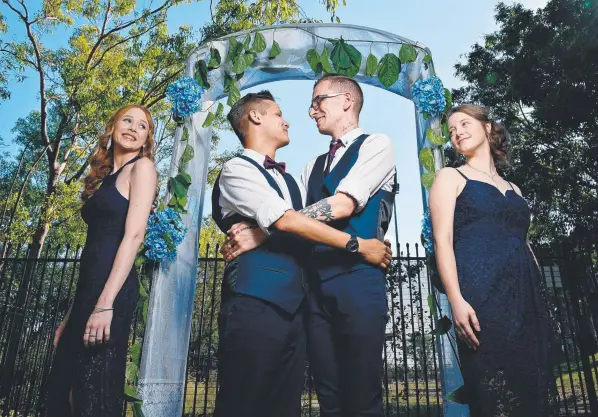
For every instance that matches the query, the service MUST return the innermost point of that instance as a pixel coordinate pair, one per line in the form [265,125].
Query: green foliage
[407,53]
[274,51]
[371,65]
[435,138]
[427,179]
[389,69]
[346,59]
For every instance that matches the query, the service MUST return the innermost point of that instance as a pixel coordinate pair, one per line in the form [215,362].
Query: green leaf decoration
[137,412]
[145,307]
[259,43]
[228,81]
[449,100]
[428,180]
[135,352]
[246,42]
[131,394]
[233,95]
[325,61]
[220,110]
[432,305]
[435,138]
[201,73]
[175,205]
[407,53]
[140,260]
[426,158]
[239,64]
[445,131]
[182,201]
[184,178]
[443,325]
[215,59]
[389,69]
[427,59]
[249,58]
[346,59]
[178,189]
[274,51]
[371,65]
[458,396]
[142,292]
[234,49]
[187,155]
[209,120]
[313,59]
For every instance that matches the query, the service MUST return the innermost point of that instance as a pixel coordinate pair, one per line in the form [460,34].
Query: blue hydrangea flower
[429,95]
[165,232]
[427,234]
[185,96]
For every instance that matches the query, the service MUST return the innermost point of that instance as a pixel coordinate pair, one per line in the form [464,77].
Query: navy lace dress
[511,373]
[96,374]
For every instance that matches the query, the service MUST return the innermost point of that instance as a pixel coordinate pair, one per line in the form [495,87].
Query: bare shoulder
[447,175]
[145,169]
[144,166]
[517,189]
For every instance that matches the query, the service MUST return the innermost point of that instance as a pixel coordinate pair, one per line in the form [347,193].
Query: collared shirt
[245,191]
[373,170]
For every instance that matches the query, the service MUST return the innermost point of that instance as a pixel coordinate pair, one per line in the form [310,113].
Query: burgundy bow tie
[270,163]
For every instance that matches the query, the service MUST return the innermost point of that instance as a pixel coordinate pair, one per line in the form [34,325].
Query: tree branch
[101,37]
[165,81]
[124,40]
[31,63]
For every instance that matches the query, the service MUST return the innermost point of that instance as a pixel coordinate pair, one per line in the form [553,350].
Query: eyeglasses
[317,100]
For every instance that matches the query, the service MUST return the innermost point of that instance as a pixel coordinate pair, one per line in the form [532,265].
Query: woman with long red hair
[88,371]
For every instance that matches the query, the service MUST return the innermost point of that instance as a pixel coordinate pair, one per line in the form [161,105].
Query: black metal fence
[31,309]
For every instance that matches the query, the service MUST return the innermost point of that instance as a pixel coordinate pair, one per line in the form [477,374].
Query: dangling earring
[143,148]
[109,144]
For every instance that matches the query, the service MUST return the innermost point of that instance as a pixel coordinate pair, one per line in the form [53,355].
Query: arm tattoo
[321,211]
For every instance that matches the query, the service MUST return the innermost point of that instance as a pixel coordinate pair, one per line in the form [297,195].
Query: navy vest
[371,222]
[272,272]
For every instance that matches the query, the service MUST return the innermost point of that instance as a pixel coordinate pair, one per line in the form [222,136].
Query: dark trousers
[262,359]
[346,326]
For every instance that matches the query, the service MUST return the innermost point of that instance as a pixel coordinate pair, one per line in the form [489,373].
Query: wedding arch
[223,68]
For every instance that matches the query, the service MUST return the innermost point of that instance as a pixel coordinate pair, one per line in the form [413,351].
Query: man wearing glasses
[351,188]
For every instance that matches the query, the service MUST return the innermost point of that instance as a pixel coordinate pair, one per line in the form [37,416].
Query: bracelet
[100,310]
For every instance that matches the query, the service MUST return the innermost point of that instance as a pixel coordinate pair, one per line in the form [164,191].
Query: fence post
[576,274]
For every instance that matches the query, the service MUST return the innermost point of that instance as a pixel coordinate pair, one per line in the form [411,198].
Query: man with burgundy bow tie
[351,187]
[262,313]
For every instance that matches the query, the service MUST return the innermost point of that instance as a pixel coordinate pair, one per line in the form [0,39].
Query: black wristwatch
[352,245]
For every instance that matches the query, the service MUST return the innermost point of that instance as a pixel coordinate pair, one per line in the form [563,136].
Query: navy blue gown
[511,373]
[96,374]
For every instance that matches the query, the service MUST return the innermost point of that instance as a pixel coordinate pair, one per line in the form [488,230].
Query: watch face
[352,245]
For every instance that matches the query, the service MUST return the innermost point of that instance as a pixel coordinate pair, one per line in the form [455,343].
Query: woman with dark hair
[506,337]
[88,371]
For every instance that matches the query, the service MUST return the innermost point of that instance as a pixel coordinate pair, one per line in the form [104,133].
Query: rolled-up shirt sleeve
[374,167]
[244,190]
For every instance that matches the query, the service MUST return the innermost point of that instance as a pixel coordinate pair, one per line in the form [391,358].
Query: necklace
[491,176]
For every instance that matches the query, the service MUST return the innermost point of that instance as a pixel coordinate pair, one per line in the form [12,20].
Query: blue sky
[448,28]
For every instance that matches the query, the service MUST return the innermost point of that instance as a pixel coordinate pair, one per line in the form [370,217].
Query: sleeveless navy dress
[511,373]
[96,374]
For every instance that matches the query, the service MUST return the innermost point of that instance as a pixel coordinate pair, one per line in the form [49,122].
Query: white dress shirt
[244,190]
[374,168]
